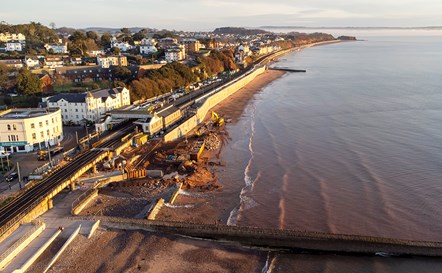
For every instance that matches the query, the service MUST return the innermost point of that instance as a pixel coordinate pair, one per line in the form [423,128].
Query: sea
[352,146]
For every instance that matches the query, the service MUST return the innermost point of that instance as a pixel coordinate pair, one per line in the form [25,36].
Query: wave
[188,206]
[285,180]
[270,263]
[244,200]
[192,194]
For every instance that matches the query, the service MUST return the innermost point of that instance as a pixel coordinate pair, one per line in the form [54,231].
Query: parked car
[4,155]
[11,177]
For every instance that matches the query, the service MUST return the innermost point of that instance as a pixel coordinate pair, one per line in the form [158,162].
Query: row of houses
[55,61]
[8,37]
[79,108]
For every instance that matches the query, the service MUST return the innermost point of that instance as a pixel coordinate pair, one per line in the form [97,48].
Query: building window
[9,127]
[48,133]
[40,124]
[34,136]
[47,122]
[32,125]
[76,109]
[42,134]
[12,138]
[52,120]
[14,126]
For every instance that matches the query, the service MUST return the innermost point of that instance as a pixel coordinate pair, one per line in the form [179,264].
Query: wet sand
[141,251]
[214,207]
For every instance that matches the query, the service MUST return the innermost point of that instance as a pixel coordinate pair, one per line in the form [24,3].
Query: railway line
[13,212]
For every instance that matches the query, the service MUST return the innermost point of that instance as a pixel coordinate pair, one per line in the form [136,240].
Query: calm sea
[353,146]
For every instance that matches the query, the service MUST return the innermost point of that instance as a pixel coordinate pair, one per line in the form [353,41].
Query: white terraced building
[25,130]
[88,106]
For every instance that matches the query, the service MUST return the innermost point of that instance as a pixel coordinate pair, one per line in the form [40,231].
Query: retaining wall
[156,209]
[76,209]
[37,254]
[175,195]
[62,249]
[20,244]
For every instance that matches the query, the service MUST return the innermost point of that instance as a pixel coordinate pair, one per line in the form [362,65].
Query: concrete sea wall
[210,101]
[284,239]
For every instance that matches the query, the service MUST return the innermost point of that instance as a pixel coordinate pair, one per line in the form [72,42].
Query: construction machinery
[44,154]
[217,120]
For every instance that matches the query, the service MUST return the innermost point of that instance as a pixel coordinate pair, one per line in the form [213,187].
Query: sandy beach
[193,205]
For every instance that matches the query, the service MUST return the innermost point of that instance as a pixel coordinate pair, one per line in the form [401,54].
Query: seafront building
[79,108]
[25,130]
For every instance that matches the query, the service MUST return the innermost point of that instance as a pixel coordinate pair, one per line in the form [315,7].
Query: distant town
[87,73]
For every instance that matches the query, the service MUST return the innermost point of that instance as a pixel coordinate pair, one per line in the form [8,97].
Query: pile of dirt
[212,142]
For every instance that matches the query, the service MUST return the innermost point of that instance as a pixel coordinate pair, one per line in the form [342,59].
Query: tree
[122,73]
[139,35]
[126,31]
[92,35]
[6,81]
[115,50]
[28,83]
[77,36]
[106,40]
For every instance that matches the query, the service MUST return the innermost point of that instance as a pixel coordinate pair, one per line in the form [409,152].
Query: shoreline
[209,207]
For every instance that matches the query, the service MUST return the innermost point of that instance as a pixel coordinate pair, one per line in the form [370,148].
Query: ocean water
[353,146]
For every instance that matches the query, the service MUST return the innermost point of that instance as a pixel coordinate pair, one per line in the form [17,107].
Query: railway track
[17,209]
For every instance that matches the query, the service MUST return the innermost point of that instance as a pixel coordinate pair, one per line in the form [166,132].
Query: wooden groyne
[294,240]
[288,69]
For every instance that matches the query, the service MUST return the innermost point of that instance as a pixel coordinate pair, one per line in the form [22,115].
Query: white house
[148,41]
[32,62]
[94,53]
[107,61]
[148,49]
[175,53]
[60,49]
[78,108]
[13,46]
[241,52]
[53,62]
[147,46]
[123,46]
[24,130]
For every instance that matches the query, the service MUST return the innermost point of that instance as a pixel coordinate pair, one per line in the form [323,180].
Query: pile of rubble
[212,142]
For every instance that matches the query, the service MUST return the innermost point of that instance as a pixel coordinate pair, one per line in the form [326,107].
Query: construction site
[186,164]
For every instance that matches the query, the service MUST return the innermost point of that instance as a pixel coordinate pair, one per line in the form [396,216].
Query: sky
[206,15]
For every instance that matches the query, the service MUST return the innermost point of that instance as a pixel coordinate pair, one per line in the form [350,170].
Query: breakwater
[283,239]
[287,69]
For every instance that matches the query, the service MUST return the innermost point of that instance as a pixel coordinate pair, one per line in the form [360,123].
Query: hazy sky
[208,14]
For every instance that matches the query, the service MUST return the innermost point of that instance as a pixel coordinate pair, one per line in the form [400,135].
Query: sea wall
[284,239]
[210,101]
